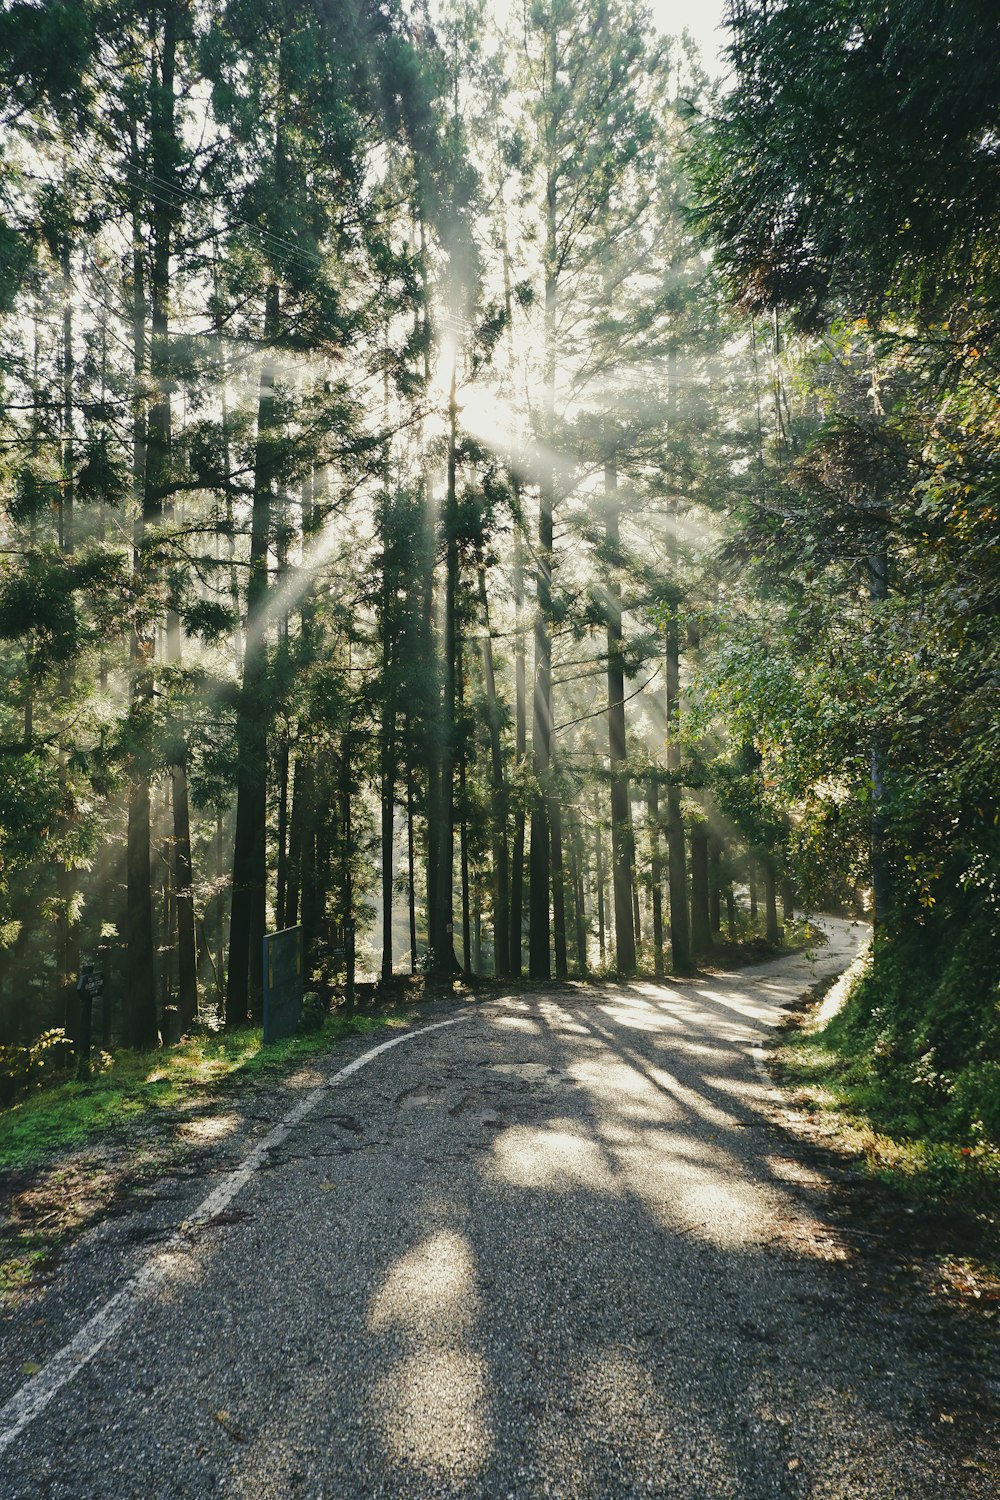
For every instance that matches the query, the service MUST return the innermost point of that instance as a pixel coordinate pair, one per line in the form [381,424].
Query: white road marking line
[34,1396]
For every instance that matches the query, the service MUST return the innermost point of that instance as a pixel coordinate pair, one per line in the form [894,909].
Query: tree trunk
[787,900]
[443,943]
[878,592]
[387,797]
[140,1025]
[68,945]
[558,891]
[249,893]
[388,772]
[187,957]
[294,877]
[773,931]
[701,926]
[715,884]
[680,930]
[410,862]
[578,862]
[633,882]
[621,861]
[516,915]
[602,942]
[281,853]
[656,873]
[347,876]
[310,900]
[464,819]
[498,788]
[539,931]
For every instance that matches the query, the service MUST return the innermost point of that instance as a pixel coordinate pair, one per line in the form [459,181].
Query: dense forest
[479,489]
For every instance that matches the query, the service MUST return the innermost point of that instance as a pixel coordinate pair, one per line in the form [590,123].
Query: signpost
[284,983]
[88,985]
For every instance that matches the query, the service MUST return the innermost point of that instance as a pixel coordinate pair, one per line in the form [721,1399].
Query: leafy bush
[20,1067]
[921,1032]
[313,1013]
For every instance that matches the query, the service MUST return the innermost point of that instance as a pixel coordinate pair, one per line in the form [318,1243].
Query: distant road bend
[560,1247]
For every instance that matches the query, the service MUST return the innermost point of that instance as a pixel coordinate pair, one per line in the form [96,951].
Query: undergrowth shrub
[42,1059]
[921,1031]
[313,1013]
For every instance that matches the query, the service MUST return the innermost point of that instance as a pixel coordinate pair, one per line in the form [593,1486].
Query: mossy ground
[127,1085]
[886,1114]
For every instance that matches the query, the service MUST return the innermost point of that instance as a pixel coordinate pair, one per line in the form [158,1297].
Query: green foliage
[855,157]
[929,1135]
[927,1052]
[40,1062]
[313,1014]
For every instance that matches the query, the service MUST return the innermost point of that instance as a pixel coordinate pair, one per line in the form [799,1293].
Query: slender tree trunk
[443,942]
[294,847]
[715,884]
[410,863]
[187,959]
[140,1026]
[579,901]
[249,893]
[773,932]
[680,930]
[281,853]
[68,947]
[701,925]
[539,931]
[633,881]
[602,942]
[463,817]
[387,797]
[516,916]
[752,882]
[310,900]
[301,819]
[558,890]
[463,840]
[220,916]
[787,900]
[187,993]
[878,592]
[621,861]
[387,735]
[347,878]
[435,728]
[501,857]
[656,873]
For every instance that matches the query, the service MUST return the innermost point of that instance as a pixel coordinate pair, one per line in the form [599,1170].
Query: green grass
[129,1085]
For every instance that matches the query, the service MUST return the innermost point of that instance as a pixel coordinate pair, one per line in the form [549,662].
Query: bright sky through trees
[702,18]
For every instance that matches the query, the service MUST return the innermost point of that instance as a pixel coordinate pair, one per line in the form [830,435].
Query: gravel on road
[562,1248]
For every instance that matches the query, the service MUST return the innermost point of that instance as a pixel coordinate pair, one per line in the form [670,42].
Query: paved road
[557,1249]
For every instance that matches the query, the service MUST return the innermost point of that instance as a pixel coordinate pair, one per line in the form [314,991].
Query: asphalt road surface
[558,1248]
